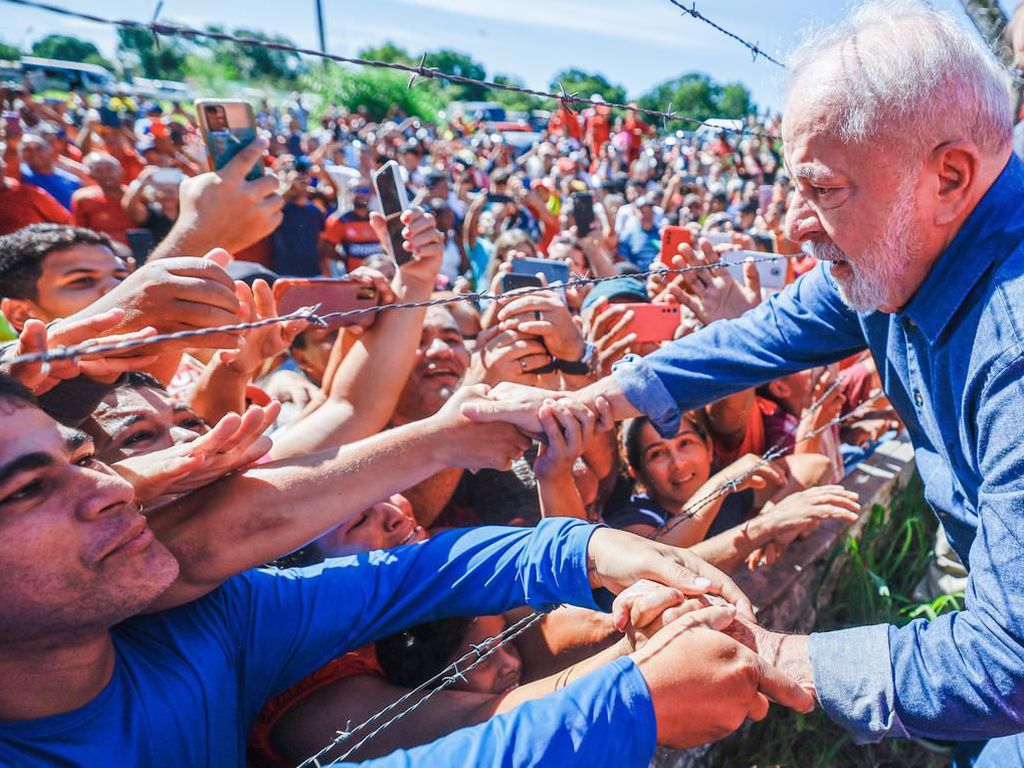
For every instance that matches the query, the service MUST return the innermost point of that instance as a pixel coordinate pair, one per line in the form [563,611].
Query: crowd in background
[111,223]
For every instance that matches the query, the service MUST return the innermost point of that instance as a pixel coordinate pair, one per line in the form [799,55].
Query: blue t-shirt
[188,683]
[296,239]
[640,246]
[60,184]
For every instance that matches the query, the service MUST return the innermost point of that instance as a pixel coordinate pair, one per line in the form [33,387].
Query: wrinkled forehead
[126,402]
[440,319]
[26,429]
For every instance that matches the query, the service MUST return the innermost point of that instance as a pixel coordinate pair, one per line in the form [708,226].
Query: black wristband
[572,367]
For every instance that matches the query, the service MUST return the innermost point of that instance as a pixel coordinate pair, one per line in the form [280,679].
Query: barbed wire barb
[754,48]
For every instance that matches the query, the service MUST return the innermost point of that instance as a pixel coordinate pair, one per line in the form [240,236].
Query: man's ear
[955,166]
[17,311]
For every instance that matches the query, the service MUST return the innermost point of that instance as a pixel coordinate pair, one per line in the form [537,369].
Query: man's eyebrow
[813,171]
[75,439]
[124,422]
[25,463]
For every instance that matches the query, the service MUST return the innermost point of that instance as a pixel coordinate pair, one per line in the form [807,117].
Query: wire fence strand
[421,70]
[754,48]
[97,347]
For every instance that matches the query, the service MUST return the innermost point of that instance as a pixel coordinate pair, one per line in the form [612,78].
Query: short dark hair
[12,389]
[414,656]
[22,253]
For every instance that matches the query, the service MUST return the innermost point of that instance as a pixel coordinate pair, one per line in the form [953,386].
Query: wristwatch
[580,367]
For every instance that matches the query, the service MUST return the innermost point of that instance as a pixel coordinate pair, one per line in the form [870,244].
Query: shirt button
[918,398]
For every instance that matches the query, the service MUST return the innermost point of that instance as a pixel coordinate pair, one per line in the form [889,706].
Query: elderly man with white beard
[898,134]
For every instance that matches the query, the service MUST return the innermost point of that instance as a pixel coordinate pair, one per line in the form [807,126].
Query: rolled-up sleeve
[804,326]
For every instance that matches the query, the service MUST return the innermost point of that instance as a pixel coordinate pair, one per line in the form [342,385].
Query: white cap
[598,98]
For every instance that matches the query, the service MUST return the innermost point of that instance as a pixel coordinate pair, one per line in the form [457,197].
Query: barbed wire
[421,70]
[309,314]
[446,677]
[754,48]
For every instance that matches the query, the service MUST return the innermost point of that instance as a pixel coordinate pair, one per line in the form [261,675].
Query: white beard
[877,272]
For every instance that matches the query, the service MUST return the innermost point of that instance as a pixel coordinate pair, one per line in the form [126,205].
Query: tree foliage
[69,48]
[375,89]
[387,52]
[140,53]
[455,63]
[250,62]
[9,52]
[520,102]
[697,95]
[587,84]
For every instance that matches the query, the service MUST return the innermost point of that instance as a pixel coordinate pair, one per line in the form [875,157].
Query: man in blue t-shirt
[640,240]
[39,170]
[86,680]
[296,240]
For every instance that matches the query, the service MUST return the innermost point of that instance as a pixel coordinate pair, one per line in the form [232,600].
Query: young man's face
[441,362]
[136,420]
[72,279]
[76,556]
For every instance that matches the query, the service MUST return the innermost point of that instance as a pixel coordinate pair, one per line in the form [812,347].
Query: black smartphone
[512,281]
[493,198]
[141,243]
[583,212]
[394,200]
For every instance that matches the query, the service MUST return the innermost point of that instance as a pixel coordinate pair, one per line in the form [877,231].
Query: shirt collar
[976,246]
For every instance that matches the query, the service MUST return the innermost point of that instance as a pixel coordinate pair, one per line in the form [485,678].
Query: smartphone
[393,200]
[167,176]
[671,238]
[653,322]
[141,243]
[718,238]
[554,271]
[773,273]
[12,124]
[511,281]
[228,125]
[583,212]
[333,294]
[494,198]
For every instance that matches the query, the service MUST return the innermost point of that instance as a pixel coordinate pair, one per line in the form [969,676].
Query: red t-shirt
[563,118]
[23,204]
[93,209]
[355,236]
[599,132]
[130,161]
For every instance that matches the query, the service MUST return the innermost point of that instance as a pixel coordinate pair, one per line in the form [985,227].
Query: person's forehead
[36,432]
[125,402]
[440,319]
[81,256]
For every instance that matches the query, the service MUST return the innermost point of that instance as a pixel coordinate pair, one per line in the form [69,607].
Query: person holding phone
[348,238]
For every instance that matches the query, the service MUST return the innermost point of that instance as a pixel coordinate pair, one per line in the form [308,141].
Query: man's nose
[99,489]
[801,221]
[439,348]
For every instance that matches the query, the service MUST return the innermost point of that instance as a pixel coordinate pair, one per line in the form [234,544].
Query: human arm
[134,199]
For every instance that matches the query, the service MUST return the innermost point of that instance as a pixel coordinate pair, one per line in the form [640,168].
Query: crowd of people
[224,548]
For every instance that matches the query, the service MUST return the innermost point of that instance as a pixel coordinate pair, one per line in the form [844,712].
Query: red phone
[653,322]
[671,238]
[333,294]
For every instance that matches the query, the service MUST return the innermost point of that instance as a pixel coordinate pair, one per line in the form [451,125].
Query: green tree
[455,63]
[252,62]
[521,102]
[387,52]
[587,84]
[139,53]
[69,48]
[9,52]
[378,90]
[698,96]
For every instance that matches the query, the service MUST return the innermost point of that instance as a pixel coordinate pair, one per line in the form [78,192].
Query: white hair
[904,68]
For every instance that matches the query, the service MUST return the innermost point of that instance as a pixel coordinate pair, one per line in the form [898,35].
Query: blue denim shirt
[952,363]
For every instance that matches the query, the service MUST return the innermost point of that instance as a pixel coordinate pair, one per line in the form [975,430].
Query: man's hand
[544,314]
[35,337]
[789,653]
[704,684]
[516,404]
[714,294]
[234,442]
[618,559]
[607,330]
[259,345]
[474,445]
[222,209]
[506,355]
[181,294]
[422,240]
[569,426]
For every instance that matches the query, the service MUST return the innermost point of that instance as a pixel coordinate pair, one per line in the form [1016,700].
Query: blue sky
[637,43]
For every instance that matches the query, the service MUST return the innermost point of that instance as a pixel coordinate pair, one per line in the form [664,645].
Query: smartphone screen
[772,272]
[228,127]
[393,200]
[653,322]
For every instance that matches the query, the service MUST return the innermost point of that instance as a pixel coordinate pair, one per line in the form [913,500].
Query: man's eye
[822,191]
[357,523]
[82,283]
[86,461]
[139,437]
[26,491]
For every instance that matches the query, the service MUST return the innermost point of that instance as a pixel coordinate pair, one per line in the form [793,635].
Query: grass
[875,576]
